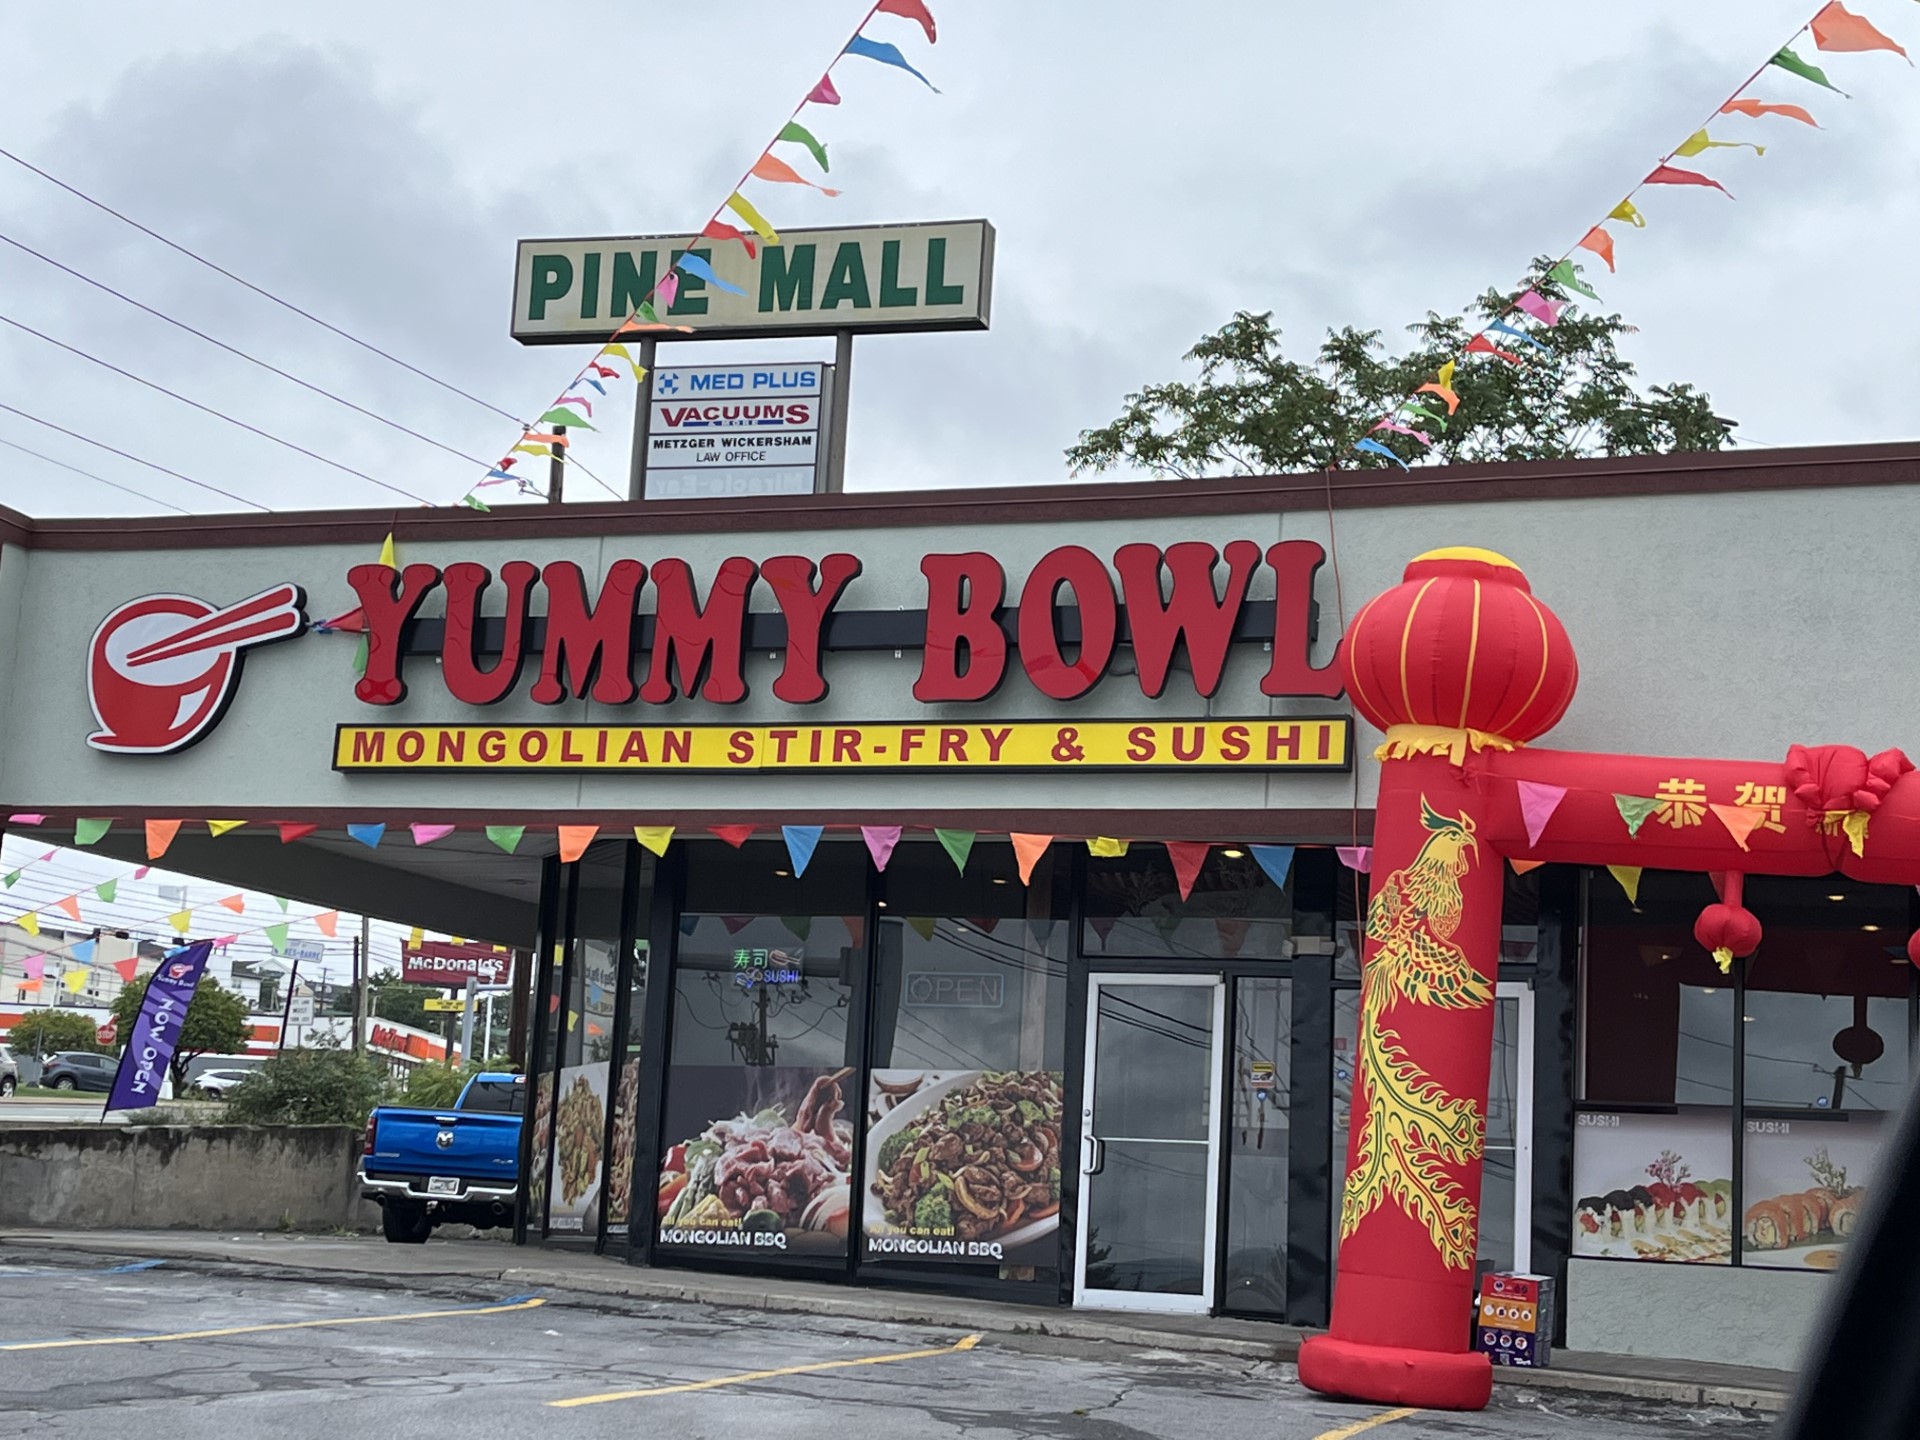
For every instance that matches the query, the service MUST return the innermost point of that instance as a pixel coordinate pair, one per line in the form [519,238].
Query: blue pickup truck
[444,1167]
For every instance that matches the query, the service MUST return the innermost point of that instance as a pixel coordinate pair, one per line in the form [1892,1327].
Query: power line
[141,494]
[263,293]
[209,410]
[124,455]
[242,354]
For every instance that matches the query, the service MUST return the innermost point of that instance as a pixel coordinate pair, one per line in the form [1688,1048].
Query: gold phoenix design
[1414,1129]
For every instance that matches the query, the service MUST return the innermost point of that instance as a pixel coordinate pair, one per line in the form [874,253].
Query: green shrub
[436,1087]
[318,1085]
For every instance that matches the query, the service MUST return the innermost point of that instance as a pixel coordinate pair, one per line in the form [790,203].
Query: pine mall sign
[876,279]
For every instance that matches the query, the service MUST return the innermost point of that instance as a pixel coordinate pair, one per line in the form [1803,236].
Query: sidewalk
[365,1261]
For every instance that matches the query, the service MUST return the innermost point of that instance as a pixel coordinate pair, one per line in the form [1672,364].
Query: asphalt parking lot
[122,1353]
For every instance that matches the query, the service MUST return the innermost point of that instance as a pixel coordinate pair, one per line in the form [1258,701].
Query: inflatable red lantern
[1730,931]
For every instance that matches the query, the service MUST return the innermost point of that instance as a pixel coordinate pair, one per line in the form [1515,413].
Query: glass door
[1150,1142]
[1506,1174]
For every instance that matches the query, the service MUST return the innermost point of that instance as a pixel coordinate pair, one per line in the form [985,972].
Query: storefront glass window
[964,1103]
[625,1078]
[1133,908]
[584,1032]
[1257,1142]
[757,1127]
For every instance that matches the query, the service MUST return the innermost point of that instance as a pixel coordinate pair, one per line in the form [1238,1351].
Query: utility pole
[466,1023]
[362,962]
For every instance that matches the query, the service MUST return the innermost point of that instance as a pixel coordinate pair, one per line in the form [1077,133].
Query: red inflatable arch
[1461,666]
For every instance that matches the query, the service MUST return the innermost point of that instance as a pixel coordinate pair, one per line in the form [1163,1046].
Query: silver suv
[9,1073]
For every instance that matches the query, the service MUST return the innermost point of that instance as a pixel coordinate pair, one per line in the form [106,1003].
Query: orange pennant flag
[772,167]
[1027,850]
[1838,29]
[1757,108]
[1740,820]
[71,905]
[1521,867]
[1445,392]
[574,840]
[160,835]
[1600,242]
[236,903]
[329,923]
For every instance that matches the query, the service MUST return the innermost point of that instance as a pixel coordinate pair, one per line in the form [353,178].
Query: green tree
[391,998]
[436,1086]
[314,1085]
[1254,411]
[46,1032]
[216,1023]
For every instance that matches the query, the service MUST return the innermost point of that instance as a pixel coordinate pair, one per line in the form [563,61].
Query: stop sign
[106,1033]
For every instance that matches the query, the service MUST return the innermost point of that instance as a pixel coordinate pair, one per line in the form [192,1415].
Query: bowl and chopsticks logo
[161,670]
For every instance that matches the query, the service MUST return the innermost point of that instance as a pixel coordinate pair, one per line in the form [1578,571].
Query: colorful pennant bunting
[1839,30]
[1794,65]
[328,923]
[912,10]
[1275,860]
[29,923]
[36,966]
[1567,275]
[1629,878]
[128,968]
[85,832]
[70,905]
[757,222]
[277,937]
[734,835]
[1027,850]
[887,55]
[823,94]
[26,818]
[1374,447]
[1757,108]
[1600,241]
[1106,847]
[181,921]
[1546,311]
[958,844]
[1673,175]
[236,903]
[798,134]
[574,840]
[427,834]
[693,265]
[1634,809]
[720,230]
[1537,804]
[160,835]
[1700,142]
[506,837]
[84,951]
[880,842]
[1356,857]
[1188,857]
[1521,867]
[367,835]
[76,981]
[107,889]
[1741,821]
[217,828]
[802,841]
[923,925]
[773,168]
[654,837]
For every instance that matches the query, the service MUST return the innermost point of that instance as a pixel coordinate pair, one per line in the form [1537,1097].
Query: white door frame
[1521,992]
[1202,1303]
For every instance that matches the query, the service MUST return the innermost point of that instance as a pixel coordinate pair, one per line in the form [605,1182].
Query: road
[38,1111]
[128,1354]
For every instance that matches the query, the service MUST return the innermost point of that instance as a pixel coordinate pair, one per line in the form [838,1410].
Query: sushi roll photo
[1666,1204]
[1643,1216]
[1620,1212]
[1771,1225]
[1590,1215]
[1844,1216]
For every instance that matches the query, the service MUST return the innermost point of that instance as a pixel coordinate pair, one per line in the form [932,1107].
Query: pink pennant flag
[1546,311]
[880,842]
[1399,429]
[26,819]
[427,834]
[1537,804]
[666,292]
[1673,175]
[36,966]
[824,93]
[143,872]
[1356,857]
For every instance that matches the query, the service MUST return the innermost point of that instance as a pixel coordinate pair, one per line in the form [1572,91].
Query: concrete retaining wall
[182,1177]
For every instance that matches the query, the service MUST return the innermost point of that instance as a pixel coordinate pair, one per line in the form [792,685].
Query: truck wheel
[404,1225]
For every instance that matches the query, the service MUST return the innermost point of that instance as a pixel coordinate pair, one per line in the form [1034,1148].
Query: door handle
[1093,1155]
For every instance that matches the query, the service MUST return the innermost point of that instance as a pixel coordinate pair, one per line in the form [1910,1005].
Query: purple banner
[156,1034]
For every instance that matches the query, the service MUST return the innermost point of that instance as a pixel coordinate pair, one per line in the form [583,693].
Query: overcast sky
[1147,175]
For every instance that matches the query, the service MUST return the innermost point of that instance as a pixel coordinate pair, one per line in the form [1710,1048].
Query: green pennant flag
[800,925]
[1565,275]
[12,879]
[507,837]
[647,313]
[958,843]
[1634,809]
[800,135]
[565,417]
[1793,64]
[107,889]
[277,937]
[280,900]
[360,657]
[472,502]
[922,925]
[85,832]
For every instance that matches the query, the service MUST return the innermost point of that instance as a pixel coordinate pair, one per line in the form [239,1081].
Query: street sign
[300,1011]
[306,952]
[106,1033]
[716,430]
[877,279]
[446,1006]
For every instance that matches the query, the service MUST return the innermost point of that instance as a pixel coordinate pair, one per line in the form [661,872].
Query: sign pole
[557,470]
[642,423]
[835,479]
[466,1024]
[362,959]
[286,1010]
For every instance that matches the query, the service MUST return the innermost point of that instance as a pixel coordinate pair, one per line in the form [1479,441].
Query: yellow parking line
[261,1329]
[966,1344]
[1345,1432]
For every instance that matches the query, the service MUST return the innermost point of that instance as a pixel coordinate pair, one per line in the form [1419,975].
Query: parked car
[79,1070]
[444,1167]
[216,1084]
[9,1073]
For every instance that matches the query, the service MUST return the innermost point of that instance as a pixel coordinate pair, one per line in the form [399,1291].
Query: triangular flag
[1537,804]
[387,554]
[922,925]
[1634,809]
[419,933]
[1374,447]
[128,968]
[76,981]
[887,55]
[1600,241]
[427,834]
[277,937]
[1740,820]
[912,10]
[1276,860]
[1546,311]
[1839,30]
[958,844]
[85,832]
[574,840]
[654,837]
[800,925]
[1188,857]
[31,986]
[880,842]
[1700,142]
[1106,847]
[734,835]
[217,828]
[1027,850]
[1480,345]
[716,230]
[235,903]
[107,889]
[692,264]
[800,135]
[1794,65]
[83,952]
[1673,175]
[24,818]
[328,922]
[29,922]
[1102,926]
[801,840]
[36,966]
[12,879]
[563,416]
[1757,108]
[291,833]
[71,905]
[507,837]
[1521,867]
[772,167]
[143,872]
[181,920]
[367,835]
[824,93]
[742,207]
[1356,857]
[1567,275]
[1629,878]
[281,901]
[160,835]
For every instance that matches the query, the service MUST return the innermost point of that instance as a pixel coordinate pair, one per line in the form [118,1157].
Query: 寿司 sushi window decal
[1806,1181]
[1654,1187]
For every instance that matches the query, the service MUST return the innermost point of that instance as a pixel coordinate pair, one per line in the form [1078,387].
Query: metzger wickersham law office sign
[936,275]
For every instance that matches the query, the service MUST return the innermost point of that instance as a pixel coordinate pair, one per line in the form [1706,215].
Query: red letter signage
[708,646]
[459,652]
[963,606]
[1193,612]
[791,576]
[1295,562]
[1080,570]
[386,611]
[591,646]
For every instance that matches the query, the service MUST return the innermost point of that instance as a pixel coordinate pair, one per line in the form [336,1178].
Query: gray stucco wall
[1711,1313]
